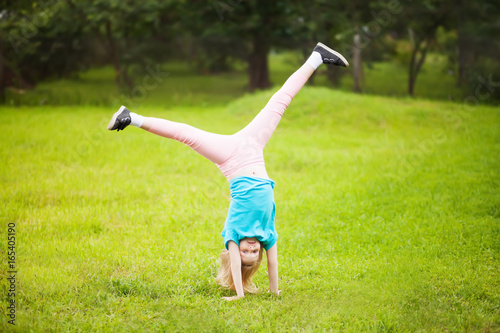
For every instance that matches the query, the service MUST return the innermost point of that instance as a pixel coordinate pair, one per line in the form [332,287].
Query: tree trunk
[258,70]
[416,63]
[462,57]
[411,73]
[463,49]
[356,68]
[416,42]
[334,74]
[121,75]
[411,36]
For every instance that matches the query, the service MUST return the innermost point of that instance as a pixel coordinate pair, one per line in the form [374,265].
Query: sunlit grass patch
[387,212]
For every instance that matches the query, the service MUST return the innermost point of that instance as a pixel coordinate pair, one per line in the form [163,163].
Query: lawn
[387,210]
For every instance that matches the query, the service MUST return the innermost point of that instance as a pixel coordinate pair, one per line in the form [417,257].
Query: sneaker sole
[113,119]
[336,53]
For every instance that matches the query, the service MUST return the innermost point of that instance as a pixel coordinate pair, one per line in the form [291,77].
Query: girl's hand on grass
[277,293]
[232,298]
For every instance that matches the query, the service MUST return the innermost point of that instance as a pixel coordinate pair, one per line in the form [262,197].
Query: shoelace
[329,60]
[124,122]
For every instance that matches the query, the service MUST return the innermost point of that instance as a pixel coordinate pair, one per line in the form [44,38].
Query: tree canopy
[58,38]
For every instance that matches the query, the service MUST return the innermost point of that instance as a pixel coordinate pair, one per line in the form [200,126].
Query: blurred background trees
[60,38]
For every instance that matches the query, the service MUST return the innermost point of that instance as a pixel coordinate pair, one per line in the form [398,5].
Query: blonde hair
[225,277]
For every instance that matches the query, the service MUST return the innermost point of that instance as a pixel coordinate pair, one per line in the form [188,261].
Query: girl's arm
[234,254]
[272,268]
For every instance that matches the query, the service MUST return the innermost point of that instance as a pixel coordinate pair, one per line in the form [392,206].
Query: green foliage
[58,38]
[183,86]
[478,47]
[387,211]
[39,41]
[390,79]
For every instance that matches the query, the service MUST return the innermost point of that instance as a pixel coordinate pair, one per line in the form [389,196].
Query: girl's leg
[217,148]
[224,149]
[263,125]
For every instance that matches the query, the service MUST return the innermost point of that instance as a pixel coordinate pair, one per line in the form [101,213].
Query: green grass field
[387,209]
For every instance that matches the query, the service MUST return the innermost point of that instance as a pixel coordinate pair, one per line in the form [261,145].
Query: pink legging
[245,148]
